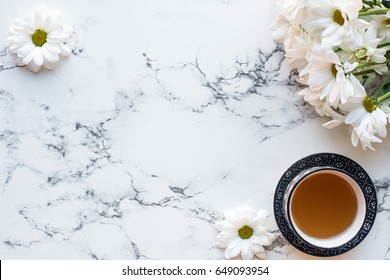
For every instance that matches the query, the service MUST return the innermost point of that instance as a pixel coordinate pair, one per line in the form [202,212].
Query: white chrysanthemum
[280,25]
[335,21]
[322,108]
[364,137]
[244,231]
[297,48]
[367,119]
[367,51]
[337,119]
[288,20]
[38,39]
[295,10]
[313,97]
[382,24]
[327,75]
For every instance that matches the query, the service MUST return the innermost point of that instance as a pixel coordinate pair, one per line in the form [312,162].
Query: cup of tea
[325,204]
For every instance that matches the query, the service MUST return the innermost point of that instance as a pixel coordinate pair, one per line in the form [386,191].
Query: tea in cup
[325,207]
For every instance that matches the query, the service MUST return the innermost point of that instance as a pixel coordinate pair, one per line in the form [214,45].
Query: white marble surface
[166,114]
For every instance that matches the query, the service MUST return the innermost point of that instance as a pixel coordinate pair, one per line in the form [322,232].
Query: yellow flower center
[334,70]
[39,37]
[245,232]
[369,105]
[338,17]
[361,54]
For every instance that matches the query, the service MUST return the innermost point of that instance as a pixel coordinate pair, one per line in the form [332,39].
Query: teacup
[324,206]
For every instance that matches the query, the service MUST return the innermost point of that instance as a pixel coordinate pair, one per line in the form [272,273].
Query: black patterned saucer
[337,162]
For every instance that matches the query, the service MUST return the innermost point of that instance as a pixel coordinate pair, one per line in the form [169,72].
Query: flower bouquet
[341,48]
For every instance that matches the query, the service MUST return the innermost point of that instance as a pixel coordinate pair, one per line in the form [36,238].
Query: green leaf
[386,87]
[386,3]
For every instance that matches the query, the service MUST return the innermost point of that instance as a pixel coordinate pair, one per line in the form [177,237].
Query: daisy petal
[257,248]
[48,23]
[53,48]
[21,39]
[65,50]
[355,116]
[49,55]
[38,57]
[48,65]
[233,249]
[246,251]
[56,37]
[29,27]
[33,66]
[260,255]
[38,19]
[26,52]
[261,240]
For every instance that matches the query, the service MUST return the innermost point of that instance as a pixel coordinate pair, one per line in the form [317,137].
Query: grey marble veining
[167,114]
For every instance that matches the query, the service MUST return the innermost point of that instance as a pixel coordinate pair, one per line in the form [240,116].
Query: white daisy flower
[366,118]
[337,119]
[281,27]
[336,21]
[288,20]
[382,24]
[313,97]
[367,51]
[297,48]
[295,10]
[327,75]
[244,231]
[322,108]
[364,137]
[38,39]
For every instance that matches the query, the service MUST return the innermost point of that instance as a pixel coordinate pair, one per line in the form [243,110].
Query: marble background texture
[167,114]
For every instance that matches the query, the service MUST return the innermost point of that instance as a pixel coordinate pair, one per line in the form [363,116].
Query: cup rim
[333,241]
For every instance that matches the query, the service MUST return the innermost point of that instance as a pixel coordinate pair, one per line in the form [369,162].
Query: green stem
[364,9]
[374,12]
[380,89]
[364,72]
[361,65]
[383,97]
[383,45]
